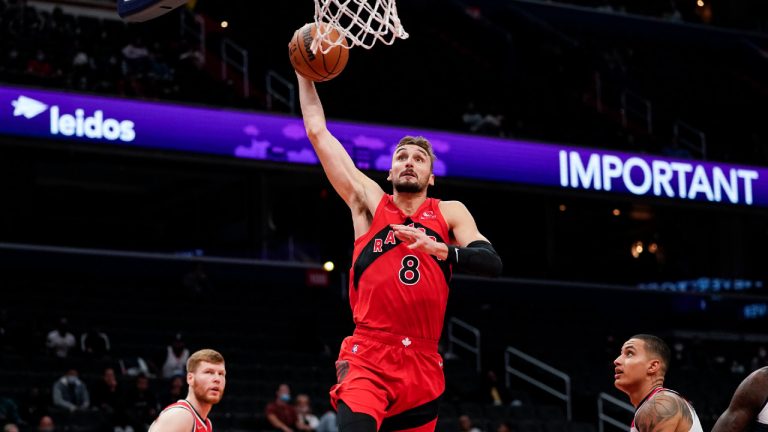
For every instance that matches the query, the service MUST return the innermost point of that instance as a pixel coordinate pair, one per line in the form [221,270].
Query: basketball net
[363,22]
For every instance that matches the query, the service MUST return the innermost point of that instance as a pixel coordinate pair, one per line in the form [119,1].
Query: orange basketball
[317,66]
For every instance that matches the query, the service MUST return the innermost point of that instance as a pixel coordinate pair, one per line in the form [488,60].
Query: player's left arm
[473,253]
[744,406]
[665,412]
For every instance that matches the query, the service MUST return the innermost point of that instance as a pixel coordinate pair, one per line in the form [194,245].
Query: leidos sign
[73,117]
[79,124]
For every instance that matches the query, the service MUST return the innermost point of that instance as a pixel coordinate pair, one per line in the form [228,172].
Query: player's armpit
[663,413]
[174,420]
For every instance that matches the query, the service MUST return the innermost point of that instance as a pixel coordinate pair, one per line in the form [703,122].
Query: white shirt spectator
[59,343]
[175,365]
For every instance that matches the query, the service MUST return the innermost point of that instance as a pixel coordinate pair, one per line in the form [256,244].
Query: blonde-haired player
[206,377]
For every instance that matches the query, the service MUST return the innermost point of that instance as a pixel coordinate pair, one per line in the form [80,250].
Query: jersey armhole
[379,208]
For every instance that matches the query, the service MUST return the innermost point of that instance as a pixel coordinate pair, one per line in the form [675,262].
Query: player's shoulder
[761,373]
[173,419]
[453,207]
[664,406]
[758,379]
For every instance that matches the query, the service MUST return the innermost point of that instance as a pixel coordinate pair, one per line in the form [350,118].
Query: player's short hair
[204,355]
[421,142]
[656,346]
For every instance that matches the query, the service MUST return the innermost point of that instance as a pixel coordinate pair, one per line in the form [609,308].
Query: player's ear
[190,378]
[431,179]
[389,175]
[654,366]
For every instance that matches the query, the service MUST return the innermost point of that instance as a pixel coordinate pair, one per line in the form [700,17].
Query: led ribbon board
[110,121]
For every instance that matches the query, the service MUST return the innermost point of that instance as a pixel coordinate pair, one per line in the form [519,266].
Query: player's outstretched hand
[417,239]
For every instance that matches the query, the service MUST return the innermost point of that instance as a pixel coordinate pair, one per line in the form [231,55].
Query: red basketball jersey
[396,289]
[200,424]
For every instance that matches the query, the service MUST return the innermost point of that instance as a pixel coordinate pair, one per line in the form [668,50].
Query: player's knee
[350,421]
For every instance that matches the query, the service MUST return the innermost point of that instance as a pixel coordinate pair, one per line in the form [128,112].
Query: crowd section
[516,69]
[94,353]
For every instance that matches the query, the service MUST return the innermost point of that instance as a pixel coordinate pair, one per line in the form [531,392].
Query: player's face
[631,366]
[411,169]
[207,382]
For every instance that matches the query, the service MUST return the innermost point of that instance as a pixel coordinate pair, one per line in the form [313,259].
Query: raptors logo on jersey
[396,289]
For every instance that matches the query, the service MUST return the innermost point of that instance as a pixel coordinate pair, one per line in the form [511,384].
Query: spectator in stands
[495,393]
[328,422]
[134,366]
[306,420]
[465,424]
[504,426]
[477,122]
[760,359]
[10,427]
[108,398]
[70,393]
[39,66]
[46,424]
[141,404]
[135,58]
[9,411]
[196,281]
[280,413]
[173,392]
[35,404]
[60,341]
[176,356]
[95,343]
[5,342]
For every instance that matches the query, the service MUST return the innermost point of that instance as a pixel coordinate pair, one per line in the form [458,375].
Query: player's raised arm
[354,187]
[747,400]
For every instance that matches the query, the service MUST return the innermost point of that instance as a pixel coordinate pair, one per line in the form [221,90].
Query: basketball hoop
[363,22]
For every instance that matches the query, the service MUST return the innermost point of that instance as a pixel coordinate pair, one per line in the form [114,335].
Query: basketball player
[749,407]
[639,372]
[206,377]
[406,245]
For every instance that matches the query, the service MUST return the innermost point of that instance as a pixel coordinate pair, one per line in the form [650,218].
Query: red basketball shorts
[398,380]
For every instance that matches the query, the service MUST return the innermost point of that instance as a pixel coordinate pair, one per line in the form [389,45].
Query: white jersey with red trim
[695,425]
[761,423]
[200,424]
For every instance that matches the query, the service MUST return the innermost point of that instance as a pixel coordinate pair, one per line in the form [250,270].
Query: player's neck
[638,396]
[408,203]
[201,408]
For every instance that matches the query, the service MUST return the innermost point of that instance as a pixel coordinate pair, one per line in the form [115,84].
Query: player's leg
[421,418]
[350,421]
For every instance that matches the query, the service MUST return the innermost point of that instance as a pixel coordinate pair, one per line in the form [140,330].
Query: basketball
[317,66]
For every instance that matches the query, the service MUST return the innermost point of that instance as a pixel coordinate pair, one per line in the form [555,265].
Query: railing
[634,106]
[565,395]
[232,55]
[603,418]
[690,138]
[193,25]
[274,81]
[453,339]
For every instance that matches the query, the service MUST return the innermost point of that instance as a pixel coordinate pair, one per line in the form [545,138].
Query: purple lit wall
[109,121]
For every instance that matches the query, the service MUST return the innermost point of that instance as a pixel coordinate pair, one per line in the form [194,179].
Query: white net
[363,22]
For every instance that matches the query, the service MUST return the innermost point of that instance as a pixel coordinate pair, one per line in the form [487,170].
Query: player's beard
[409,187]
[202,395]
